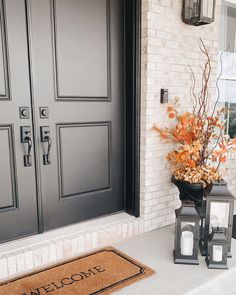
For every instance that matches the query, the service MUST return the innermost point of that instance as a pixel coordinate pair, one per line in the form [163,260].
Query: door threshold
[28,254]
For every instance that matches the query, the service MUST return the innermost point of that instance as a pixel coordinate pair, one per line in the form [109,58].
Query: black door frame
[133,97]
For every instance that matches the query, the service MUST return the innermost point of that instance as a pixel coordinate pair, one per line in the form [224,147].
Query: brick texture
[44,254]
[168,48]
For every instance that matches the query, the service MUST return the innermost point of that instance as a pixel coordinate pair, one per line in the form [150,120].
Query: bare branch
[217,83]
[194,97]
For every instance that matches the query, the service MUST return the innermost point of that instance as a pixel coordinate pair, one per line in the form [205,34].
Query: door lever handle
[28,158]
[26,138]
[46,157]
[45,138]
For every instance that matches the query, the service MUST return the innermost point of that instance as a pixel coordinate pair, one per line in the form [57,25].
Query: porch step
[33,253]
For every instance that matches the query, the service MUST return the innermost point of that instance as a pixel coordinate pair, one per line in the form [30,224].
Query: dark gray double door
[61,113]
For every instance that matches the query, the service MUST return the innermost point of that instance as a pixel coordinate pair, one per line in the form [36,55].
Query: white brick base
[36,252]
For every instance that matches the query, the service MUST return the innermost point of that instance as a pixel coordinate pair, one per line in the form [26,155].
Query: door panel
[81,43]
[4,66]
[18,207]
[7,172]
[83,153]
[77,72]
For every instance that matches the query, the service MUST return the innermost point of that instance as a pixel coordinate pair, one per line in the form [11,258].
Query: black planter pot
[191,191]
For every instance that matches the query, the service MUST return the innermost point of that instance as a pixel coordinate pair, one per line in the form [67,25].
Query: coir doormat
[101,272]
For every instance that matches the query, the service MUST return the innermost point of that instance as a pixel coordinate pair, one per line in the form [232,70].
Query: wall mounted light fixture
[198,12]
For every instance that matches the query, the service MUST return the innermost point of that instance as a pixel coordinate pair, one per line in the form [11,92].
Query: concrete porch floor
[155,250]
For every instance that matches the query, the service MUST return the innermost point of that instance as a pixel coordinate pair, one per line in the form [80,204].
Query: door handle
[26,138]
[45,138]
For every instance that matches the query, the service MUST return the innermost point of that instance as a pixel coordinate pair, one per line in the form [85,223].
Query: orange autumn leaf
[191,163]
[155,128]
[164,135]
[171,115]
[177,136]
[223,159]
[192,121]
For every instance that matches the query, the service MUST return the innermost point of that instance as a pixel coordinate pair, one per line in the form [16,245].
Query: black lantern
[198,12]
[186,234]
[217,212]
[217,249]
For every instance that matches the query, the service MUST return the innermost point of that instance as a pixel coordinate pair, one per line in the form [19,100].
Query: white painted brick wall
[168,48]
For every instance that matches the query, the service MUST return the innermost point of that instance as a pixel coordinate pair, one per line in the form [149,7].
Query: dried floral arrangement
[202,145]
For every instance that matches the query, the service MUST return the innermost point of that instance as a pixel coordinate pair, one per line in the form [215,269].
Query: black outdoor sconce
[186,234]
[198,12]
[217,249]
[217,212]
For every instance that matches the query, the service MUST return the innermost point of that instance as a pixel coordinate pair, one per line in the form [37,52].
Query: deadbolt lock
[24,112]
[43,112]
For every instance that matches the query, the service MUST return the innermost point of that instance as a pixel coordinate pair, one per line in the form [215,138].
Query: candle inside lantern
[214,222]
[217,255]
[187,243]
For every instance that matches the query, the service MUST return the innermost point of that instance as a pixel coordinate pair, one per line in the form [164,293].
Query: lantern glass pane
[219,215]
[217,253]
[195,11]
[188,8]
[207,8]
